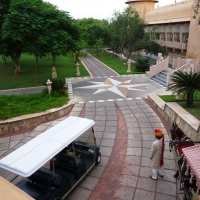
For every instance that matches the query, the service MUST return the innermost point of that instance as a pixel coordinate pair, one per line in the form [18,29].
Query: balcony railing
[174,45]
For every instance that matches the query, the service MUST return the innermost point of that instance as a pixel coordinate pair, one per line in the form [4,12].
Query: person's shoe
[160,175]
[152,178]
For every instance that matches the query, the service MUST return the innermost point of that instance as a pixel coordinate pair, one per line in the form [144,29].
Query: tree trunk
[53,60]
[4,59]
[190,98]
[97,50]
[49,56]
[36,69]
[16,60]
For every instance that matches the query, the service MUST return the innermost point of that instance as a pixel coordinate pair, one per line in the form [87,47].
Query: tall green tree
[94,32]
[185,83]
[39,28]
[4,9]
[127,32]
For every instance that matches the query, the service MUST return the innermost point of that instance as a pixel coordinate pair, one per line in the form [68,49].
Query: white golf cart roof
[34,154]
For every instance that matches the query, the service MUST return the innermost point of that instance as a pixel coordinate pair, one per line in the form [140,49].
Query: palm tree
[142,64]
[184,82]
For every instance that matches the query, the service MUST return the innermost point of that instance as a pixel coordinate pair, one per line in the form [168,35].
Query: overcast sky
[98,9]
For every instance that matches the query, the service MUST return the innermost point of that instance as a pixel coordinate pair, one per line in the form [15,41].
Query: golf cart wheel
[98,158]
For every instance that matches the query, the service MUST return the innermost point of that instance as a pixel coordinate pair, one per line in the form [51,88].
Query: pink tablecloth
[192,156]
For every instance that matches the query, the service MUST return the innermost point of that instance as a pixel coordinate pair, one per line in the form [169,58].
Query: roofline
[131,1]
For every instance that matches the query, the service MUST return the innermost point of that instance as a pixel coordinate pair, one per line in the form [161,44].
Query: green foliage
[142,65]
[17,105]
[153,47]
[39,28]
[184,82]
[59,93]
[92,30]
[57,84]
[127,31]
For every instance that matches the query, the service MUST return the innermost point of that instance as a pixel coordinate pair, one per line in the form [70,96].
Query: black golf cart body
[51,171]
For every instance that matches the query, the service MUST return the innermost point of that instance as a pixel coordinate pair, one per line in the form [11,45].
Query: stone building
[179,31]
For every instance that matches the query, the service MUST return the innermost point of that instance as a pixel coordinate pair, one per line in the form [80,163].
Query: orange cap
[158,133]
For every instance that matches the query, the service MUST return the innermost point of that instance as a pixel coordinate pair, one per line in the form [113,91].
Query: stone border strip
[172,112]
[108,100]
[26,122]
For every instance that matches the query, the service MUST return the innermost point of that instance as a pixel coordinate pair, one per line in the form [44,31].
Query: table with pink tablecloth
[192,156]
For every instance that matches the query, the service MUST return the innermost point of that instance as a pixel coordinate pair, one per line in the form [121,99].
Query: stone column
[54,73]
[49,86]
[77,70]
[129,66]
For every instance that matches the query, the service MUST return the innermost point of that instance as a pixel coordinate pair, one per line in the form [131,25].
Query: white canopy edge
[34,154]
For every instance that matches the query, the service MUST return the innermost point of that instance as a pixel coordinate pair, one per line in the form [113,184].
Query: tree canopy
[39,28]
[127,31]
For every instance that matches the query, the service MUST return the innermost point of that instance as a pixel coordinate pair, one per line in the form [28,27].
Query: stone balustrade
[174,45]
[26,122]
[172,112]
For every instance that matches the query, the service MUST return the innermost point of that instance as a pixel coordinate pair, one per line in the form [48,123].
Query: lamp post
[77,70]
[49,85]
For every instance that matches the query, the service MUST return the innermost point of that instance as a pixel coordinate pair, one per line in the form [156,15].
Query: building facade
[179,31]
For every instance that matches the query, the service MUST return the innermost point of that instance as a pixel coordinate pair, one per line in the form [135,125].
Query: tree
[127,32]
[184,82]
[4,9]
[39,28]
[94,32]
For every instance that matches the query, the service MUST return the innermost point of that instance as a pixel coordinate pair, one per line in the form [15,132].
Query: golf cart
[54,162]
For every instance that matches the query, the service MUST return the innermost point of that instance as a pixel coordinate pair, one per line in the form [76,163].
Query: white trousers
[156,171]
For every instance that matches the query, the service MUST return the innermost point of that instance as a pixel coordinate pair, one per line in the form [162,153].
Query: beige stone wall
[193,50]
[142,7]
[172,112]
[179,12]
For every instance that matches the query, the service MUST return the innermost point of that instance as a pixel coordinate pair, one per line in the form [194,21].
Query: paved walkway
[124,131]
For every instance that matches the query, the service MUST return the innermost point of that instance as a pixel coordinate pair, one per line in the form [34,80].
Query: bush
[57,84]
[59,93]
[142,65]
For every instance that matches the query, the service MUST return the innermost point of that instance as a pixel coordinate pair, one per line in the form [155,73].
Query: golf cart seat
[39,187]
[76,166]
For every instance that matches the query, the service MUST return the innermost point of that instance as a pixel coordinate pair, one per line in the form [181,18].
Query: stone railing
[175,45]
[172,112]
[171,73]
[155,69]
[30,121]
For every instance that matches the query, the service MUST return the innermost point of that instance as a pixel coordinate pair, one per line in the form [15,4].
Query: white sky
[98,9]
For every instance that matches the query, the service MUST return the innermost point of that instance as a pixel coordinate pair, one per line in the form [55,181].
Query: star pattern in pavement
[112,85]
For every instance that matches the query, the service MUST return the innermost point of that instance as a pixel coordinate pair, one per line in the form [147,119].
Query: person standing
[156,155]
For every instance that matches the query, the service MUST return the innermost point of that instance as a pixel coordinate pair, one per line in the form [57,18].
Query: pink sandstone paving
[110,179]
[123,176]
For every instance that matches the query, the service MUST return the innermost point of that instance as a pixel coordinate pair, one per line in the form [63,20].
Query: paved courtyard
[112,88]
[124,128]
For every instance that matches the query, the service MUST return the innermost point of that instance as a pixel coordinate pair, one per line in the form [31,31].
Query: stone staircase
[161,78]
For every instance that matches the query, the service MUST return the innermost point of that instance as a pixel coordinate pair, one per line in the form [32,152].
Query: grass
[114,62]
[65,67]
[17,105]
[195,110]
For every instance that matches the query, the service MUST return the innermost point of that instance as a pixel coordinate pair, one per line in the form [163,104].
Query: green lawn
[114,62]
[17,105]
[65,67]
[195,110]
